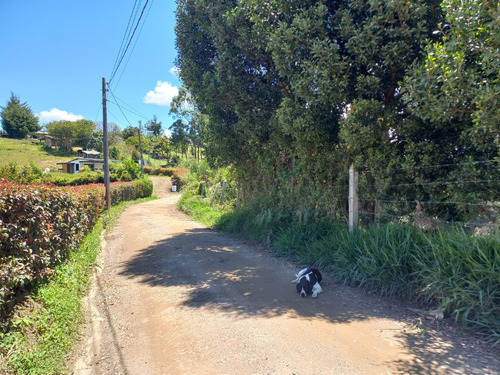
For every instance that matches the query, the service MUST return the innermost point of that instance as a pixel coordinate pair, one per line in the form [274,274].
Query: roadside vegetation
[293,99]
[446,268]
[50,227]
[43,330]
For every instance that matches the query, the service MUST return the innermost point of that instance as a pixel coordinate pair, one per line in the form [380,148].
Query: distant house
[76,165]
[89,154]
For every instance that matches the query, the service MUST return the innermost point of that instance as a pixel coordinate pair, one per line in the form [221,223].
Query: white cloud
[57,115]
[162,94]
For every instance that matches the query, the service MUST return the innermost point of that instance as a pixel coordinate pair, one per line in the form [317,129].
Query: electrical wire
[131,109]
[128,45]
[120,108]
[133,47]
[126,35]
[128,110]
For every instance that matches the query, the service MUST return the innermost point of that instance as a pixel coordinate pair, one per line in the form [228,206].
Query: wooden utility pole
[105,144]
[140,149]
[353,199]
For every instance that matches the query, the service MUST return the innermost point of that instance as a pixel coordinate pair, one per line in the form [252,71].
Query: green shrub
[127,170]
[121,192]
[28,174]
[143,188]
[159,171]
[39,225]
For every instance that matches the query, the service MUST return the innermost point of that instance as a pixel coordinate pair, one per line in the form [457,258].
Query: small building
[76,165]
[89,154]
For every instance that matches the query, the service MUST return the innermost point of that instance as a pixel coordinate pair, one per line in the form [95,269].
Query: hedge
[41,224]
[159,171]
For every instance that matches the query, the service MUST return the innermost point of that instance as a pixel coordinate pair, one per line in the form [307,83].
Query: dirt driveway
[173,297]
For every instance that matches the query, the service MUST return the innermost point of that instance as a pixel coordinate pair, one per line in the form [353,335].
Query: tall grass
[449,269]
[462,273]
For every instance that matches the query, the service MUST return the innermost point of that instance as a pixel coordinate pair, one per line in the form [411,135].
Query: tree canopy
[17,118]
[296,91]
[68,134]
[154,127]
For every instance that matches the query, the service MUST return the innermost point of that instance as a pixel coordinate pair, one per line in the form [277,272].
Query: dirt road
[173,297]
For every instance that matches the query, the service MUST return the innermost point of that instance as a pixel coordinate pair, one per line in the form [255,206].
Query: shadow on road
[219,272]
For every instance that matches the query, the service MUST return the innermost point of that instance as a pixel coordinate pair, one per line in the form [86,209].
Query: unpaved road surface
[173,297]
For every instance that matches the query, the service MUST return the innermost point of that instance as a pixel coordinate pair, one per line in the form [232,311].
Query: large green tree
[129,131]
[194,122]
[458,83]
[18,119]
[68,134]
[296,91]
[453,96]
[179,138]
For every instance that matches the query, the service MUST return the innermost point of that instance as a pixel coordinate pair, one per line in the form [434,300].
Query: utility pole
[140,149]
[105,144]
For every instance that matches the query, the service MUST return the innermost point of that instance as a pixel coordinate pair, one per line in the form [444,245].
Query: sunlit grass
[23,151]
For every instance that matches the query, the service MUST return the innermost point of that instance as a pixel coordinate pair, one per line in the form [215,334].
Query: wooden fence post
[215,193]
[353,199]
[222,192]
[238,196]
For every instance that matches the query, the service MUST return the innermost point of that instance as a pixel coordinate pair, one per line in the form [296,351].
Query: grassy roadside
[450,269]
[44,329]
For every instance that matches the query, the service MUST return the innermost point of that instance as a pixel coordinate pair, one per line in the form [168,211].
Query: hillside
[22,151]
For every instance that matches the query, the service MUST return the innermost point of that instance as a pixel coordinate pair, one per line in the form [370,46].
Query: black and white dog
[308,281]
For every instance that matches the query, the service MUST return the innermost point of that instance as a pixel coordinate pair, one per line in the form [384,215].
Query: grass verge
[43,330]
[449,269]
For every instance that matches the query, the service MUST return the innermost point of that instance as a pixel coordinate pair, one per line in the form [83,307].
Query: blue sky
[56,52]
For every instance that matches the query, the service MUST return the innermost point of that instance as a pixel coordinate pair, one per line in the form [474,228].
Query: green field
[22,151]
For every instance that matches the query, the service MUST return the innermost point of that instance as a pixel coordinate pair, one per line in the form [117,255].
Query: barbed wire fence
[465,194]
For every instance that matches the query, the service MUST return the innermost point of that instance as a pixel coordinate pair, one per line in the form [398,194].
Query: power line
[131,110]
[127,31]
[128,44]
[135,43]
[120,108]
[98,112]
[128,110]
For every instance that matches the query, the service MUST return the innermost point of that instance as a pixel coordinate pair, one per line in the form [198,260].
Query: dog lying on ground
[308,282]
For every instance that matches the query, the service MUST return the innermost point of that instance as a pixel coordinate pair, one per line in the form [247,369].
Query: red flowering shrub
[41,224]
